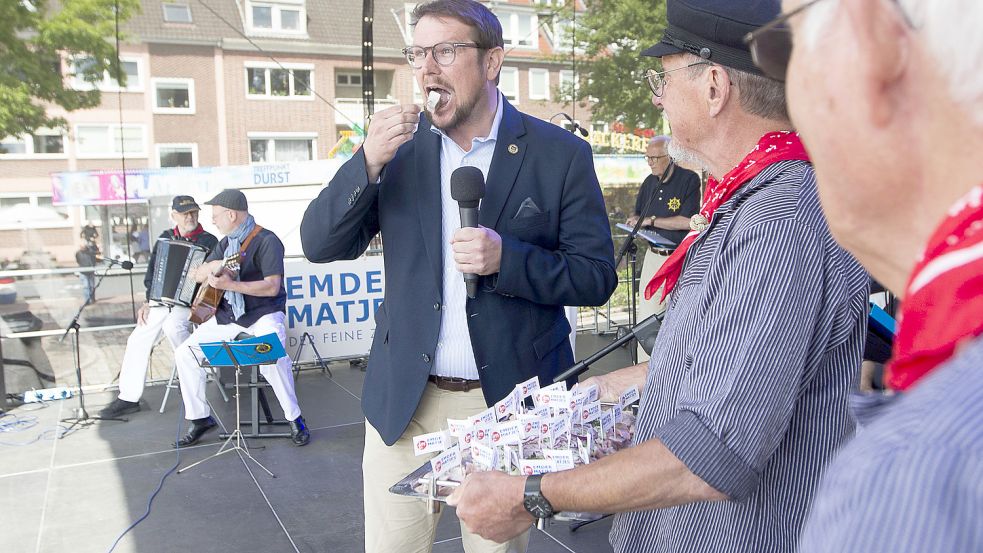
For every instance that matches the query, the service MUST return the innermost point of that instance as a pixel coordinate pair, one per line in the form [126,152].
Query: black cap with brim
[184,204]
[230,198]
[714,30]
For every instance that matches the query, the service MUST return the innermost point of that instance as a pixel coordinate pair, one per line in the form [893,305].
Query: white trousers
[280,376]
[403,524]
[651,265]
[173,323]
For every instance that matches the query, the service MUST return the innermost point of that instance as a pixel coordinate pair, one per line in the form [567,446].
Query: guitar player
[254,301]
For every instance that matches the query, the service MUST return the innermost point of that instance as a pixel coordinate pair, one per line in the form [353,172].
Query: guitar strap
[249,238]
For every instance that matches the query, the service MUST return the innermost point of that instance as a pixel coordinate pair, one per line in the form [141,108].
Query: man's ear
[717,88]
[882,55]
[494,58]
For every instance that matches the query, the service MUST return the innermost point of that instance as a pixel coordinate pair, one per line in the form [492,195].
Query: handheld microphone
[467,189]
[576,126]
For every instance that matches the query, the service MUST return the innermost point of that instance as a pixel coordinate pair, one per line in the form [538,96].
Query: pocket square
[527,208]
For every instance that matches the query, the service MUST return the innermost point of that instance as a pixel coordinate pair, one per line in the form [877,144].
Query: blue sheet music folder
[259,350]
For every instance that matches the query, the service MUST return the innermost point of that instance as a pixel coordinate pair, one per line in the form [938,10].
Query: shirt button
[425,357]
[436,306]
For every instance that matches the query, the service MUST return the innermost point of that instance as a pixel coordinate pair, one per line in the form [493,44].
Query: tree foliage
[35,36]
[610,37]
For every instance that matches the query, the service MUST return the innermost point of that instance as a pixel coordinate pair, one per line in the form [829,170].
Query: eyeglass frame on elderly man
[453,45]
[771,44]
[657,79]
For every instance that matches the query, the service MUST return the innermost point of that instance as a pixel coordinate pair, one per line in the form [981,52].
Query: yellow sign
[619,141]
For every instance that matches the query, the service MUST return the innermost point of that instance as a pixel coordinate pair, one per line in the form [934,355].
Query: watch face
[538,506]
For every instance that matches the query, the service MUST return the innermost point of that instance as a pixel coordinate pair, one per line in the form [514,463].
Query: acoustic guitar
[207,299]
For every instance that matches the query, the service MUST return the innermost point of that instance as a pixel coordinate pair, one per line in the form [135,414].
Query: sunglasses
[771,45]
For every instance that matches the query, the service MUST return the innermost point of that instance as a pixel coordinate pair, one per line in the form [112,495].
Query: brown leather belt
[660,251]
[454,384]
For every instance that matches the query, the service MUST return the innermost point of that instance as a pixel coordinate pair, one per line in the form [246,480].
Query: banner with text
[335,303]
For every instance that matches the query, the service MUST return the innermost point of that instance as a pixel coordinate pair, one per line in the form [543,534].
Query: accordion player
[167,298]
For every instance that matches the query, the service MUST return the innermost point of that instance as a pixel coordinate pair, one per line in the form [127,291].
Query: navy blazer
[561,256]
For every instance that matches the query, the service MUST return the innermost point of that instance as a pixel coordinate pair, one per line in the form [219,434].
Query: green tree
[610,36]
[34,37]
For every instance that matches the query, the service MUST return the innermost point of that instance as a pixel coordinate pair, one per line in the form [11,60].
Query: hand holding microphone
[477,250]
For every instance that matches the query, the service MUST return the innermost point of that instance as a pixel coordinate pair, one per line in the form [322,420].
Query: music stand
[260,350]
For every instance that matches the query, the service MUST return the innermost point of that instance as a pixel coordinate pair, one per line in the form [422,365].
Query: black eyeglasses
[771,45]
[657,79]
[651,158]
[444,53]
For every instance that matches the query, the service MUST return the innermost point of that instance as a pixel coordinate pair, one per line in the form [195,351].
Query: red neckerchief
[192,236]
[943,301]
[772,148]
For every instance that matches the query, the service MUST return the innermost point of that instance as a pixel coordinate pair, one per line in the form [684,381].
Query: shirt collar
[492,133]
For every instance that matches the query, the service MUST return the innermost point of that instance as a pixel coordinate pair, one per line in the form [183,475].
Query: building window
[177,13]
[566,88]
[520,29]
[539,84]
[348,79]
[174,95]
[289,81]
[42,143]
[277,16]
[132,68]
[509,83]
[177,155]
[107,141]
[281,147]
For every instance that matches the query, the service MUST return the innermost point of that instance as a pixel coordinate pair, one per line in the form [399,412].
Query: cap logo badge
[705,53]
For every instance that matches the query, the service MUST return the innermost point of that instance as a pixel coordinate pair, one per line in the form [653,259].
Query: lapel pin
[513,149]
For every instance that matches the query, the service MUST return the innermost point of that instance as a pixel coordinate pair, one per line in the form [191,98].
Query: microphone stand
[82,417]
[645,332]
[629,246]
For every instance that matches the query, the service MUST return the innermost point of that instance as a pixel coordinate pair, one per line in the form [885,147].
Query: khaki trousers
[651,265]
[399,524]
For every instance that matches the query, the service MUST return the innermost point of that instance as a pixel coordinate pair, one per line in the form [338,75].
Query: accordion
[173,261]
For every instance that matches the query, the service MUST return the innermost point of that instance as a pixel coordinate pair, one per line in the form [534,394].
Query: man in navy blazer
[543,243]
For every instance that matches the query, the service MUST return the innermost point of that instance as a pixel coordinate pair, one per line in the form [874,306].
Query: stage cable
[160,484]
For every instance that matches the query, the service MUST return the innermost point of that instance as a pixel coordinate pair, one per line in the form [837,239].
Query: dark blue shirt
[263,258]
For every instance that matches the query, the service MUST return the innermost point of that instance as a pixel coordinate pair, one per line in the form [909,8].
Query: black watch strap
[535,503]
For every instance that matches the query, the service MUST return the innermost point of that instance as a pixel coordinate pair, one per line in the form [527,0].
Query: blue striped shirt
[912,479]
[748,381]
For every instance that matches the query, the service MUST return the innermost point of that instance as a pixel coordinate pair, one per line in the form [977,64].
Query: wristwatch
[534,501]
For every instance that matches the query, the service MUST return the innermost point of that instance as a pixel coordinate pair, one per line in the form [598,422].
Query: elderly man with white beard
[888,96]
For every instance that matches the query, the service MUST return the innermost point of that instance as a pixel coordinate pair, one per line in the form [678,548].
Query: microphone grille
[467,184]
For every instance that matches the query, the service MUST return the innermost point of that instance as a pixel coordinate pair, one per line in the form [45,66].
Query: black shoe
[118,408]
[196,430]
[298,431]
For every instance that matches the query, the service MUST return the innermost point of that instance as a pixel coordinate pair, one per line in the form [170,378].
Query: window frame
[291,67]
[185,5]
[505,69]
[28,140]
[142,154]
[108,84]
[508,31]
[274,136]
[546,93]
[276,18]
[193,146]
[157,81]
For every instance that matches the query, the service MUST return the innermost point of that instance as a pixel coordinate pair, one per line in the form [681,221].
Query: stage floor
[79,493]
